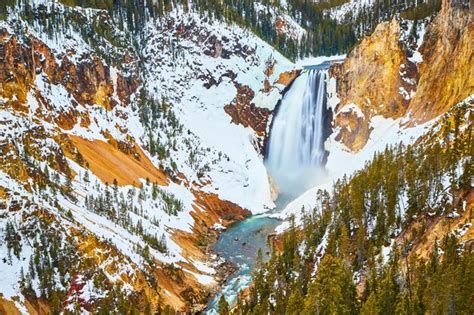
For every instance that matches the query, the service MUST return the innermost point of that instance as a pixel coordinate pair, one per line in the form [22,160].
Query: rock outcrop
[447,71]
[370,78]
[286,78]
[382,75]
[244,112]
[89,81]
[40,148]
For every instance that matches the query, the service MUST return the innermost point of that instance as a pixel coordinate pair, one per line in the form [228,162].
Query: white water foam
[295,155]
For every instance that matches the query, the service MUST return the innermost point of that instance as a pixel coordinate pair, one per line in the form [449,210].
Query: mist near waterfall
[295,152]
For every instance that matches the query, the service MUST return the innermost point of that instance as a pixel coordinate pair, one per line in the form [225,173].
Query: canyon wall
[405,69]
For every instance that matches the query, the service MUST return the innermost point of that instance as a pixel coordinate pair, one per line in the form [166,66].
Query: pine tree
[295,302]
[370,305]
[333,291]
[223,306]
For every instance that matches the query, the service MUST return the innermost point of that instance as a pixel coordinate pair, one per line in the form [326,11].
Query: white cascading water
[295,153]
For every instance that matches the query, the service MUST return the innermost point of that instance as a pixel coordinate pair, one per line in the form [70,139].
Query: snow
[353,6]
[386,131]
[123,239]
[312,61]
[420,33]
[178,73]
[352,108]
[332,98]
[10,272]
[290,27]
[203,279]
[416,58]
[203,267]
[462,230]
[178,68]
[406,95]
[218,227]
[239,175]
[386,250]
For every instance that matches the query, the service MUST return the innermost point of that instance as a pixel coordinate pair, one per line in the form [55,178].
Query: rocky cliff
[446,74]
[43,99]
[405,68]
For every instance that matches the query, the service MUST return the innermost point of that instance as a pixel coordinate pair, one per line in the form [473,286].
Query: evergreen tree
[223,306]
[295,302]
[333,291]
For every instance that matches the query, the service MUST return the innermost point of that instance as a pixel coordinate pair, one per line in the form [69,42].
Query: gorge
[295,158]
[149,149]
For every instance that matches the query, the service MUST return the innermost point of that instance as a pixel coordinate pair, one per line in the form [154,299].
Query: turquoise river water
[239,245]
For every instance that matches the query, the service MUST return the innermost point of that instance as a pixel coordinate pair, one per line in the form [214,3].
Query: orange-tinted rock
[8,307]
[16,73]
[287,77]
[280,25]
[223,209]
[11,162]
[89,81]
[373,77]
[126,86]
[109,163]
[266,86]
[370,78]
[208,210]
[270,68]
[354,130]
[66,120]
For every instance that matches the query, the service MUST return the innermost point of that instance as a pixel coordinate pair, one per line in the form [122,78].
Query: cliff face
[370,78]
[447,71]
[394,73]
[245,112]
[89,81]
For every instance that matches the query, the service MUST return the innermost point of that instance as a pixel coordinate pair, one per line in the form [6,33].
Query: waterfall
[295,152]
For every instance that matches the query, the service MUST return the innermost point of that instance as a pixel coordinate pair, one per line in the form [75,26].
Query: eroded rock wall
[388,75]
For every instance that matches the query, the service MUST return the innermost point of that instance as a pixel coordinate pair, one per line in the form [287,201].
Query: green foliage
[4,6]
[13,240]
[171,205]
[422,10]
[223,306]
[345,233]
[333,291]
[324,36]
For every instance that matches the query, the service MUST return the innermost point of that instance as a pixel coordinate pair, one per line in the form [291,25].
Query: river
[239,245]
[295,157]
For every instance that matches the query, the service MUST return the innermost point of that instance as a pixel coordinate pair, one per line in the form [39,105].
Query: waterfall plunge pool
[295,158]
[239,245]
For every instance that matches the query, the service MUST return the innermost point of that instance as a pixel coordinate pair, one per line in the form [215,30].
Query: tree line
[347,241]
[323,34]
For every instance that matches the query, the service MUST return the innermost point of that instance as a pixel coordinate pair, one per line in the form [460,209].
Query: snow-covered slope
[127,151]
[341,161]
[198,66]
[353,7]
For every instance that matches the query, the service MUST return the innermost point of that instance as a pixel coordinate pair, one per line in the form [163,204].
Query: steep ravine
[239,245]
[305,101]
[389,75]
